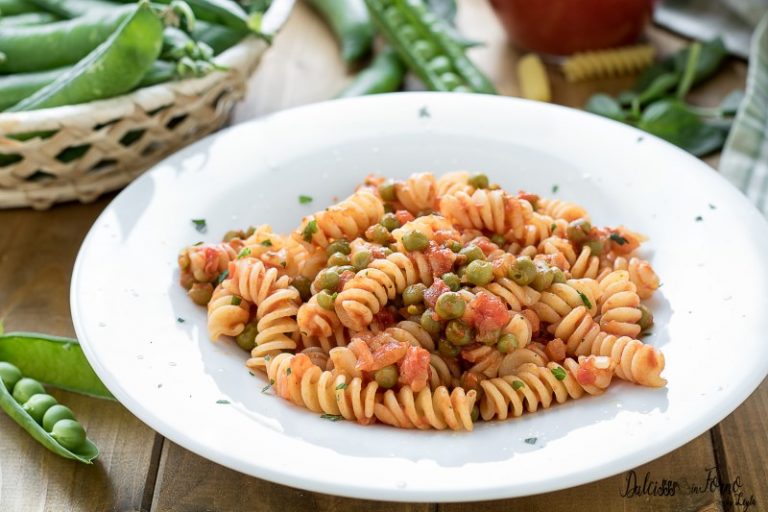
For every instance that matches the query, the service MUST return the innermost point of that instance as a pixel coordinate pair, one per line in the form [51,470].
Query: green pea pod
[55,361]
[385,74]
[221,12]
[218,37]
[40,47]
[351,23]
[114,68]
[14,88]
[27,19]
[87,452]
[73,8]
[14,7]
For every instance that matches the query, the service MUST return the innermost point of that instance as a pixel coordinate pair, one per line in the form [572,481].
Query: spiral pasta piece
[485,360]
[541,227]
[277,327]
[619,313]
[532,354]
[252,280]
[316,321]
[489,210]
[204,263]
[418,193]
[558,301]
[515,296]
[560,209]
[641,274]
[363,296]
[295,378]
[635,361]
[427,225]
[401,270]
[443,371]
[437,409]
[347,219]
[539,386]
[227,313]
[338,338]
[608,63]
[452,182]
[578,330]
[411,333]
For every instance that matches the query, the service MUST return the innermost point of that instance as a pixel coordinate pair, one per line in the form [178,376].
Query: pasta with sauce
[433,303]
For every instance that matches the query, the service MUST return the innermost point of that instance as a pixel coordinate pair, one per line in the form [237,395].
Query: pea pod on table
[115,67]
[14,7]
[29,405]
[351,23]
[385,74]
[27,19]
[426,48]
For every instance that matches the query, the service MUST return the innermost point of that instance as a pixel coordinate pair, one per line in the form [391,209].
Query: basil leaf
[673,122]
[712,55]
[604,105]
[660,86]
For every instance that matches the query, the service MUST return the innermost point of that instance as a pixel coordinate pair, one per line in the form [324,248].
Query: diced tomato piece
[555,350]
[489,313]
[414,368]
[432,293]
[344,277]
[211,257]
[385,318]
[404,216]
[440,258]
[375,351]
[300,364]
[531,198]
[485,245]
[585,376]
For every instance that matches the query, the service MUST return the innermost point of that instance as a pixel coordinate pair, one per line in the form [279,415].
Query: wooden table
[140,470]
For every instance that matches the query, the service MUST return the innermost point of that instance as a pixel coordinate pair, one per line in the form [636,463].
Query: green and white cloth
[745,156]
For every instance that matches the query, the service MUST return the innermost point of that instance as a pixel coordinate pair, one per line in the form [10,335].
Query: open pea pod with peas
[26,361]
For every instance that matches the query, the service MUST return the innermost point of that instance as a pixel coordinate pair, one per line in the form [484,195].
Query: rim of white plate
[327,483]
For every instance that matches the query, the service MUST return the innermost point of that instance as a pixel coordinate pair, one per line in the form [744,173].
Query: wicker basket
[82,151]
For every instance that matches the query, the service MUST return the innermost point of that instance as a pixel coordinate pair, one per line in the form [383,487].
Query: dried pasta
[433,303]
[608,63]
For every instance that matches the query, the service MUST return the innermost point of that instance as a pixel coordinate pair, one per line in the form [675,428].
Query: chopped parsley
[343,385]
[267,243]
[699,218]
[559,373]
[712,207]
[236,300]
[424,112]
[283,263]
[553,227]
[200,225]
[267,358]
[531,440]
[222,277]
[199,243]
[305,199]
[518,384]
[555,188]
[309,230]
[585,300]
[268,386]
[244,253]
[223,402]
[331,417]
[180,320]
[618,238]
[288,371]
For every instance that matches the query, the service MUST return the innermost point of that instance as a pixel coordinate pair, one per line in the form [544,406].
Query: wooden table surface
[140,470]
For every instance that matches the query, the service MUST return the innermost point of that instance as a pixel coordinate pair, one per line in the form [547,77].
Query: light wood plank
[37,252]
[203,485]
[686,466]
[741,442]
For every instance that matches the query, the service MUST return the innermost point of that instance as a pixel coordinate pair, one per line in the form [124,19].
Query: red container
[562,27]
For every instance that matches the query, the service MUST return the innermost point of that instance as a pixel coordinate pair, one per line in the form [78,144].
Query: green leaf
[309,230]
[711,55]
[603,105]
[673,122]
[690,69]
[222,277]
[585,300]
[200,225]
[244,253]
[559,373]
[660,86]
[331,417]
[305,199]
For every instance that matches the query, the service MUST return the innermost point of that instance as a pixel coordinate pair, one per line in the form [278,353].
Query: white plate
[710,312]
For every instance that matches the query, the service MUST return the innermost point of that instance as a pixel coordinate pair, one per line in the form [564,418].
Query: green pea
[472,252]
[440,64]
[498,240]
[475,413]
[424,49]
[37,405]
[340,245]
[390,221]
[343,268]
[69,433]
[507,343]
[325,299]
[386,377]
[490,337]
[387,191]
[9,374]
[201,293]
[543,279]
[578,230]
[389,208]
[414,294]
[429,324]
[415,309]
[338,258]
[453,245]
[409,33]
[523,271]
[415,241]
[394,16]
[480,272]
[557,275]
[452,281]
[55,414]
[447,348]
[362,259]
[380,234]
[461,271]
[459,333]
[327,280]
[246,340]
[25,388]
[596,246]
[303,285]
[478,181]
[451,80]
[450,305]
[646,320]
